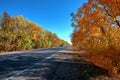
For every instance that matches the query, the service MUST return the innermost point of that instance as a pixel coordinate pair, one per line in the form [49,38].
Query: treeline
[97,30]
[18,33]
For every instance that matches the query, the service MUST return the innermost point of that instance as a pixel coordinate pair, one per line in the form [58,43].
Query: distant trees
[97,29]
[17,33]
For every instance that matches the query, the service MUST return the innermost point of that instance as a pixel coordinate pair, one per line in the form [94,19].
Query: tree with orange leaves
[95,19]
[97,28]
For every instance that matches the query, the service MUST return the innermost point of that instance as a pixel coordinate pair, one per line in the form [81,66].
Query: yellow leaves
[96,22]
[95,31]
[96,34]
[101,20]
[17,33]
[99,31]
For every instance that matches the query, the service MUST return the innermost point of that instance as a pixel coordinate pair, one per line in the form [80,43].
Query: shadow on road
[65,67]
[69,69]
[61,67]
[9,66]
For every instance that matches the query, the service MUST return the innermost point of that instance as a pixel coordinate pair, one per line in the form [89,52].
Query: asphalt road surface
[29,65]
[50,64]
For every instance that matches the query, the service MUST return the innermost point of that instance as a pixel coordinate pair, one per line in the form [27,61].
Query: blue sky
[52,15]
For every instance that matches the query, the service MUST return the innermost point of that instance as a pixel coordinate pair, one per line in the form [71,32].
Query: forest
[18,33]
[97,30]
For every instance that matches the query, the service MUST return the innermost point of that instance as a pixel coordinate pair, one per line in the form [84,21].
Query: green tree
[18,33]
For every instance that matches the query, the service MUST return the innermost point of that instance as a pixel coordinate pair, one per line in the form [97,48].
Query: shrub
[106,58]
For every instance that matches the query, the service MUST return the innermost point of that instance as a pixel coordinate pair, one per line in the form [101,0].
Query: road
[49,64]
[17,66]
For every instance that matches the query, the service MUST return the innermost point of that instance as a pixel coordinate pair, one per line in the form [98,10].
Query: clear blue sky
[52,15]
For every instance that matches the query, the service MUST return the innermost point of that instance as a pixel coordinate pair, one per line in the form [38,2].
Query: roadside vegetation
[18,33]
[97,30]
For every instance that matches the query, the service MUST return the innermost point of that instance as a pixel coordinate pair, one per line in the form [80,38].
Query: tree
[18,33]
[6,21]
[97,27]
[112,10]
[94,20]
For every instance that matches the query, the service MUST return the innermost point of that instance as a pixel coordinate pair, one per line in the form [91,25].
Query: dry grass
[107,59]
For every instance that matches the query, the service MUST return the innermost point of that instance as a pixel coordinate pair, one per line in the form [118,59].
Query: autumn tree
[18,33]
[96,27]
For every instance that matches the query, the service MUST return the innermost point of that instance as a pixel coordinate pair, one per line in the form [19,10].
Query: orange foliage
[98,30]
